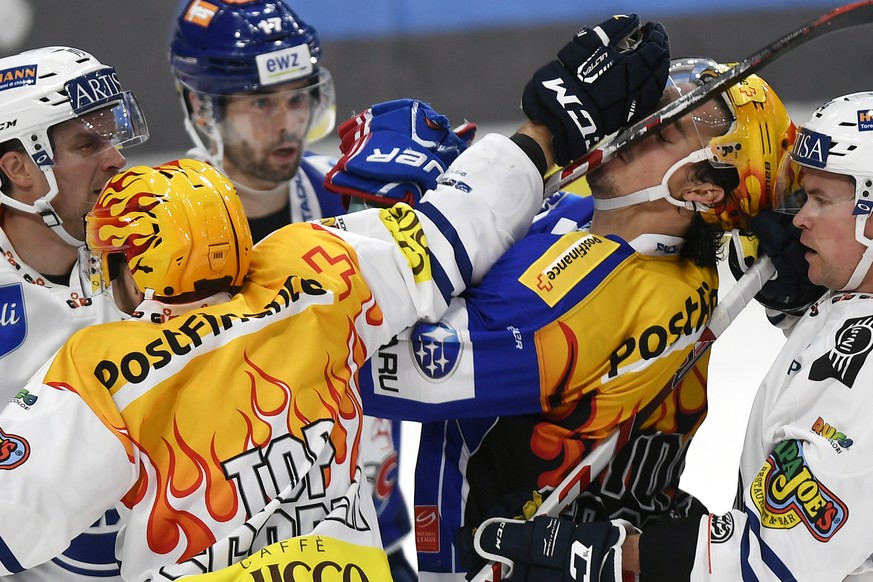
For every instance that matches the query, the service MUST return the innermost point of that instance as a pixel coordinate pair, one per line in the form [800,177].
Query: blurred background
[468,58]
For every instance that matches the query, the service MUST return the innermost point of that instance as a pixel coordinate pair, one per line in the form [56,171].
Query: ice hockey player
[223,423]
[255,95]
[805,473]
[578,327]
[66,118]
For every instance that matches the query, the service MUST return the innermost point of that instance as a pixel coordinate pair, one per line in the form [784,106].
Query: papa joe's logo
[14,450]
[786,494]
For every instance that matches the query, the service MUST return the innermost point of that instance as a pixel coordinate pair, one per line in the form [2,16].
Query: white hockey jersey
[36,318]
[237,424]
[806,471]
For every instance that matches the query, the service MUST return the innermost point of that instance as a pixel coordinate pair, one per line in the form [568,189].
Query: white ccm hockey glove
[551,549]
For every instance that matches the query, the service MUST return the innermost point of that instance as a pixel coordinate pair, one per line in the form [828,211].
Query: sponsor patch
[93,90]
[721,528]
[284,65]
[865,120]
[14,450]
[787,494]
[852,345]
[25,399]
[436,349]
[427,528]
[839,441]
[811,148]
[13,323]
[20,76]
[566,263]
[200,13]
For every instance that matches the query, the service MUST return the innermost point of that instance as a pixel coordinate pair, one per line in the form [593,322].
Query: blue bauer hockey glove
[394,152]
[604,79]
[548,548]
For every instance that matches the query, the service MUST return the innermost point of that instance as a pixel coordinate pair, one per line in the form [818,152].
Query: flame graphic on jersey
[580,411]
[187,463]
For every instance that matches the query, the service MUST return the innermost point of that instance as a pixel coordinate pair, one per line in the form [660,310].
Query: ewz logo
[436,349]
[865,120]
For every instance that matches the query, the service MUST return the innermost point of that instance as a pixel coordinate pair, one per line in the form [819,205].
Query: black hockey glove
[605,78]
[791,291]
[552,549]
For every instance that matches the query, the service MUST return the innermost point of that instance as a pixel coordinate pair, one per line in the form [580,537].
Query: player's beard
[257,164]
[601,184]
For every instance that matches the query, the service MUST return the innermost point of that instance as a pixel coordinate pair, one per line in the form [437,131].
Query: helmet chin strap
[866,261]
[43,207]
[658,192]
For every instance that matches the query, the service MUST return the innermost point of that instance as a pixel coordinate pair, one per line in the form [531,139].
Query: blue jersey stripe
[7,558]
[465,266]
[768,556]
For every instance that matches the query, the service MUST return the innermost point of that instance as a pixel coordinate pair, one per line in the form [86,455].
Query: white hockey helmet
[838,138]
[43,87]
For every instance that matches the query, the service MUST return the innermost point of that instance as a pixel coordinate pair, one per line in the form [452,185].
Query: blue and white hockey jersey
[568,335]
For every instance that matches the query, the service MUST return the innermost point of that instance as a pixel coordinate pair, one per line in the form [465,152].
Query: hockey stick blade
[581,476]
[841,18]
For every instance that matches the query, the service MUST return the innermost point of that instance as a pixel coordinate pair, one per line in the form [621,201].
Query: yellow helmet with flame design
[180,228]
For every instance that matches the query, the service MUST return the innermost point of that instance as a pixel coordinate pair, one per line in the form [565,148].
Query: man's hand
[605,78]
[394,152]
[791,291]
[556,550]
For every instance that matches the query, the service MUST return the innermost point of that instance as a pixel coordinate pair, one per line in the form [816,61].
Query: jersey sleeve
[49,435]
[415,260]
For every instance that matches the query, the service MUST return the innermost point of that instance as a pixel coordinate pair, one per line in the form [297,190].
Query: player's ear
[705,193]
[18,169]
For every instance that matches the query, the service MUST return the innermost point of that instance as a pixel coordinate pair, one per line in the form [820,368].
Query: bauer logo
[17,77]
[436,349]
[787,494]
[865,120]
[13,323]
[285,65]
[14,450]
[93,90]
[811,148]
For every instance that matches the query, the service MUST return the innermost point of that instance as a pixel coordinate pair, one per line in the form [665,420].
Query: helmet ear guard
[180,227]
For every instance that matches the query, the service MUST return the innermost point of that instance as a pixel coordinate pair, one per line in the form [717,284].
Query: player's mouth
[285,154]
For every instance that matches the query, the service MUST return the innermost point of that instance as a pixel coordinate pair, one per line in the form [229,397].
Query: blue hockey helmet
[229,47]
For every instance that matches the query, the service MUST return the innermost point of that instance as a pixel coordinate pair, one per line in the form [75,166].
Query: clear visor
[118,125]
[789,196]
[713,118]
[307,111]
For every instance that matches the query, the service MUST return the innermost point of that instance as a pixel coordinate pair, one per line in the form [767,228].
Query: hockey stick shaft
[579,479]
[841,18]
